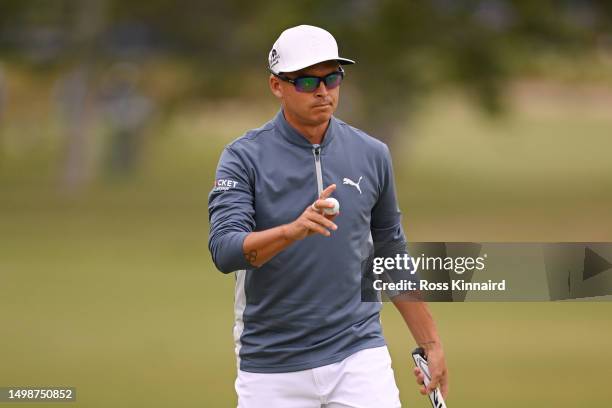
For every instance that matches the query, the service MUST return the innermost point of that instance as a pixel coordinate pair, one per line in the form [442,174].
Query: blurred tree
[3,103]
[75,91]
[405,49]
[126,111]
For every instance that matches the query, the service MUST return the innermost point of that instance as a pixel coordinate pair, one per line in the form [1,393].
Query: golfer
[303,335]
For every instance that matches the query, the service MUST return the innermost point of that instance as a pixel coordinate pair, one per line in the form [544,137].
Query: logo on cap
[274,57]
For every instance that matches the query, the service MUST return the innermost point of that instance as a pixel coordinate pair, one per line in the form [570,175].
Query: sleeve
[386,221]
[230,213]
[386,224]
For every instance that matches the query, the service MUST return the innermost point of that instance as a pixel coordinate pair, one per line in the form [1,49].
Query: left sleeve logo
[224,185]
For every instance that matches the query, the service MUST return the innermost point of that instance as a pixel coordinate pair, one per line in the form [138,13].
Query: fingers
[332,216]
[444,388]
[314,227]
[321,220]
[441,381]
[315,222]
[434,383]
[444,384]
[420,378]
[320,204]
[327,192]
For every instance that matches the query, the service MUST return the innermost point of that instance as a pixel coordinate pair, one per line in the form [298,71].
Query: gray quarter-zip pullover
[303,308]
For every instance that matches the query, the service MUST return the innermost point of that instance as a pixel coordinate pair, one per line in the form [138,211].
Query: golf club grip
[420,360]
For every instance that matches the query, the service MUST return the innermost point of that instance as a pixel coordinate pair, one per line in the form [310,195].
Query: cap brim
[343,61]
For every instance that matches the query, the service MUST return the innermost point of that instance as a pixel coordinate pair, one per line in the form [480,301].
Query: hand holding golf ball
[317,218]
[325,204]
[333,210]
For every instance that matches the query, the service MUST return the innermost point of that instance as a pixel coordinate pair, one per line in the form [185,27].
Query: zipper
[316,151]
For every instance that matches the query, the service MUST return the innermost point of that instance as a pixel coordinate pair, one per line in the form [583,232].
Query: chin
[322,116]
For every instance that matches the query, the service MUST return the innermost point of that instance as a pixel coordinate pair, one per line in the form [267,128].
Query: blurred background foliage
[112,118]
[405,48]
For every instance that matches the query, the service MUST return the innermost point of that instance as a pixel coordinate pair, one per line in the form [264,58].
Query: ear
[275,86]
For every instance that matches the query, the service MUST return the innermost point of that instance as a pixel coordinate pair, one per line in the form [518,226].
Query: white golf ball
[332,211]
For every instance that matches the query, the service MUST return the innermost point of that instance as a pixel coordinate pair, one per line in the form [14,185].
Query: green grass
[113,291]
[542,173]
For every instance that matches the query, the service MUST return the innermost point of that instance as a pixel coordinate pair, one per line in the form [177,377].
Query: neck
[314,133]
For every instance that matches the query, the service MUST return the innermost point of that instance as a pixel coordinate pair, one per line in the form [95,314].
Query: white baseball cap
[302,46]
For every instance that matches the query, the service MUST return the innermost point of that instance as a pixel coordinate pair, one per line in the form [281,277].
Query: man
[304,337]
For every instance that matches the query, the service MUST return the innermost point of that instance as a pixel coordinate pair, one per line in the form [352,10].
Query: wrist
[429,345]
[285,232]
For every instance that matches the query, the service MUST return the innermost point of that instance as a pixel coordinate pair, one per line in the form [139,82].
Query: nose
[321,90]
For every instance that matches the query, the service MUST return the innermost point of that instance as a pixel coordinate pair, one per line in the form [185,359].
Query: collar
[293,136]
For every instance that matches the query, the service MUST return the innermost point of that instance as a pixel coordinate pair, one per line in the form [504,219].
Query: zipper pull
[316,149]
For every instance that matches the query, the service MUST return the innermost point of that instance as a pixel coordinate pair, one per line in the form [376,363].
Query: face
[308,108]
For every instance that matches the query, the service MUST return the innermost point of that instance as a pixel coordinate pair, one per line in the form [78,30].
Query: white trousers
[362,380]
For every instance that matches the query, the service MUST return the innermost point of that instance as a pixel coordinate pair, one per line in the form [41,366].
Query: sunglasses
[309,83]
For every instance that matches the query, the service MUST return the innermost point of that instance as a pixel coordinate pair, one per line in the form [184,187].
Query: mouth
[325,105]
